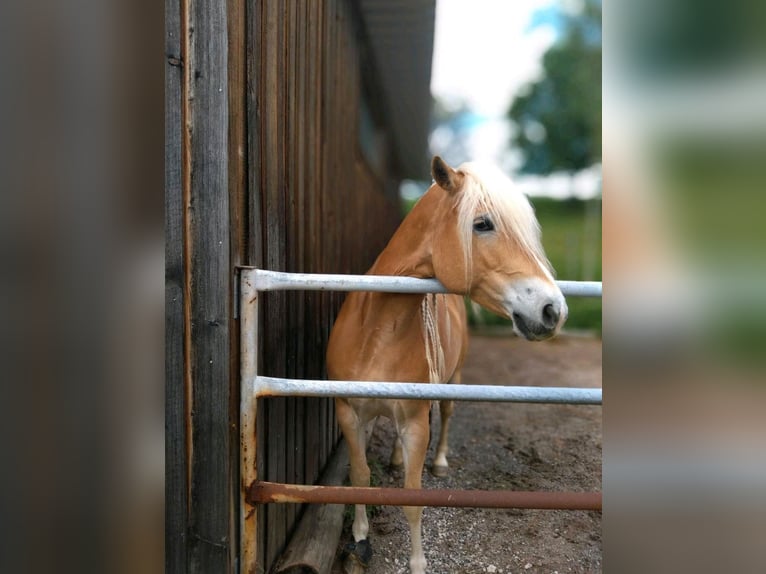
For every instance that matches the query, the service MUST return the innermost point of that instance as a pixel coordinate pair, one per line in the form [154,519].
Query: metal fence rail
[279,281]
[254,492]
[279,387]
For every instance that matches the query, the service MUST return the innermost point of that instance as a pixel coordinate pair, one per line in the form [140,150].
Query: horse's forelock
[487,190]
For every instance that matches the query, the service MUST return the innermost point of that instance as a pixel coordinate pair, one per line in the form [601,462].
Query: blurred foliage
[666,40]
[408,204]
[714,190]
[558,117]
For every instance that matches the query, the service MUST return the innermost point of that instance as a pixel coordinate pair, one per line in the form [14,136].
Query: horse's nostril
[550,316]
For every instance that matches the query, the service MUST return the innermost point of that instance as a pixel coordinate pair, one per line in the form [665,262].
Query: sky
[484,52]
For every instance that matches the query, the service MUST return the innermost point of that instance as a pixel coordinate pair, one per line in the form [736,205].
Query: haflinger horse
[478,235]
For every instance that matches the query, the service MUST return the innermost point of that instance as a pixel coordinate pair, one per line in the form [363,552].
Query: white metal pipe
[580,288]
[275,386]
[280,281]
[248,519]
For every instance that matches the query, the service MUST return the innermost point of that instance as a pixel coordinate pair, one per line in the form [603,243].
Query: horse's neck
[409,251]
[409,254]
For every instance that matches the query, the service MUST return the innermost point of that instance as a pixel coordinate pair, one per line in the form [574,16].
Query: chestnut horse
[478,235]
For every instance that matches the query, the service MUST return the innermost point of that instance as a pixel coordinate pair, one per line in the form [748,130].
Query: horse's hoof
[358,556]
[439,471]
[396,466]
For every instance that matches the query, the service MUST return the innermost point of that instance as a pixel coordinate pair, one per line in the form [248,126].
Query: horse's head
[487,245]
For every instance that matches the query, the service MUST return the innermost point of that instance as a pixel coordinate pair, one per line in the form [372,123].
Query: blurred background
[684,116]
[682,100]
[519,84]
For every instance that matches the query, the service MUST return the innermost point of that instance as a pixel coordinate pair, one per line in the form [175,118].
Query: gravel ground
[504,446]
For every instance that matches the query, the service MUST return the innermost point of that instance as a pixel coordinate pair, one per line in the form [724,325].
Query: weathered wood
[176,494]
[255,193]
[238,236]
[208,223]
[303,185]
[263,168]
[275,340]
[312,547]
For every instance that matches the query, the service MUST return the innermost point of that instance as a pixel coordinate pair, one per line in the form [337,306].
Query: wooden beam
[176,492]
[211,547]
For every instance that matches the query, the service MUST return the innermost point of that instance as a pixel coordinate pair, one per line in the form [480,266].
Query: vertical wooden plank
[274,220]
[176,493]
[314,187]
[237,154]
[258,213]
[298,217]
[255,72]
[292,226]
[207,222]
[329,155]
[269,206]
[256,210]
[238,142]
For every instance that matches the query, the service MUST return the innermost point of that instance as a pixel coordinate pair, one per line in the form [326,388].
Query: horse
[478,235]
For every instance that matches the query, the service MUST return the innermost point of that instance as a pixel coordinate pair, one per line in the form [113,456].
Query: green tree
[558,118]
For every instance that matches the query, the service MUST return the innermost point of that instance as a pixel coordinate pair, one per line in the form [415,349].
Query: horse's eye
[483,224]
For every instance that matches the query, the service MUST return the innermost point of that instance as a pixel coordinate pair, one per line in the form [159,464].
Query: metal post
[248,306]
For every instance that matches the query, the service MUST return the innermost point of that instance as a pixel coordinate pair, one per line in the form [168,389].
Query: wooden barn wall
[263,167]
[315,206]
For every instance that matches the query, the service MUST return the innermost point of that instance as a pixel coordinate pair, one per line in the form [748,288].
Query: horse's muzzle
[533,330]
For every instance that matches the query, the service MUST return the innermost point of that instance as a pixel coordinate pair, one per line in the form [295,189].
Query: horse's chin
[531,332]
[535,338]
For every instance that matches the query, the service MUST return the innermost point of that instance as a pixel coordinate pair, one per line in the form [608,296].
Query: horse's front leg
[397,461]
[414,438]
[355,435]
[441,466]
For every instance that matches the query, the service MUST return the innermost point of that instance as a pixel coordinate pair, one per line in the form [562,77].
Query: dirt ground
[504,446]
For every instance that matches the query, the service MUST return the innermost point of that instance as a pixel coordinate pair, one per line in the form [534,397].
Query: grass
[572,241]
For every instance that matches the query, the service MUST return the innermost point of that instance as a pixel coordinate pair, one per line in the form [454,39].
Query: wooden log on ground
[312,547]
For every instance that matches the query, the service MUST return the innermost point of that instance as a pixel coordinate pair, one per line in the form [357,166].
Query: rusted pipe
[272,492]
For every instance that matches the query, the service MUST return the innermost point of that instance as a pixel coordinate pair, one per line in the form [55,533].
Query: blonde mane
[434,349]
[488,191]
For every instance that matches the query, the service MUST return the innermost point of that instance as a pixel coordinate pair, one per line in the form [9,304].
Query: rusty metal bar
[272,492]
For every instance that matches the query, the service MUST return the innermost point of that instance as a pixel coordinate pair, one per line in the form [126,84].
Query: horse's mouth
[532,332]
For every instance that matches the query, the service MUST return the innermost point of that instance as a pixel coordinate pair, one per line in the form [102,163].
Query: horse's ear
[446,177]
